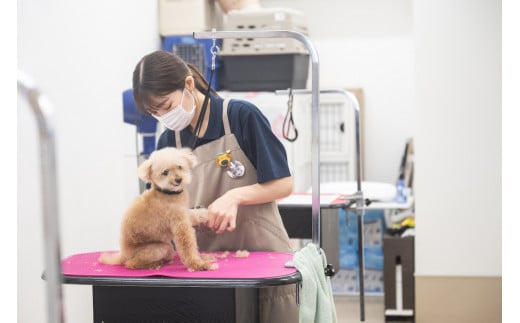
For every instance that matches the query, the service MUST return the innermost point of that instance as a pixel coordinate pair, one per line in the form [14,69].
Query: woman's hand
[223,211]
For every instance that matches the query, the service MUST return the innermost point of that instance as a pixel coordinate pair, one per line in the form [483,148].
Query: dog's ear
[144,170]
[190,157]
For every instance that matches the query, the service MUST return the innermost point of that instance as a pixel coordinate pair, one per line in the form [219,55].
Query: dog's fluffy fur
[161,215]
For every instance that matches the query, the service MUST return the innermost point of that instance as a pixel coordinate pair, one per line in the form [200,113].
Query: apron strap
[178,142]
[225,120]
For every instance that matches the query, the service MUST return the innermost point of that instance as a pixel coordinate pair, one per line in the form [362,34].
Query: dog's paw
[139,264]
[198,216]
[200,266]
[208,257]
[110,258]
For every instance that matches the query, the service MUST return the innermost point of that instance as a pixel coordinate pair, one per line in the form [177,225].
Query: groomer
[243,166]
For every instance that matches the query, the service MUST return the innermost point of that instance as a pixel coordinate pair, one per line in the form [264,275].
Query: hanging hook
[214,50]
[288,121]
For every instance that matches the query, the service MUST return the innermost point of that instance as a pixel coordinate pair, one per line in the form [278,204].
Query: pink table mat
[256,265]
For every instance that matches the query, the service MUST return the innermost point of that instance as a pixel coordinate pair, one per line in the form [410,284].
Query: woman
[243,166]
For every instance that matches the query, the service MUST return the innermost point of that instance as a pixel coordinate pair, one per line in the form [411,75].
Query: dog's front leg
[198,216]
[187,248]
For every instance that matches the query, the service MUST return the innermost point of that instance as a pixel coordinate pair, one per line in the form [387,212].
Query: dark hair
[160,73]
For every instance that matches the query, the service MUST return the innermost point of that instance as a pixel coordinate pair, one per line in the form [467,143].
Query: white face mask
[177,118]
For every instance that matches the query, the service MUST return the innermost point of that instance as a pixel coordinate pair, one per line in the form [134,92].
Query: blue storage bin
[345,281]
[197,52]
[374,251]
[374,281]
[373,236]
[348,258]
[373,225]
[146,124]
[374,258]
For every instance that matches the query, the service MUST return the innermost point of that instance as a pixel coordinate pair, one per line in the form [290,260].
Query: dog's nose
[178,180]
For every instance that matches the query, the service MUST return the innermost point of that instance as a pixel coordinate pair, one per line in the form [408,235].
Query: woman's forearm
[262,193]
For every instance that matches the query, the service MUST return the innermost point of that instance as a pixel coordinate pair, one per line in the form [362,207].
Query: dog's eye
[179,167]
[165,172]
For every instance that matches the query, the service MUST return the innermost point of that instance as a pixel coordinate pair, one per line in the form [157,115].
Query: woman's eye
[165,172]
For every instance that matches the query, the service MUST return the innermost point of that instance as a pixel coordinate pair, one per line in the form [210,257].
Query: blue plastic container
[145,124]
[197,52]
[373,221]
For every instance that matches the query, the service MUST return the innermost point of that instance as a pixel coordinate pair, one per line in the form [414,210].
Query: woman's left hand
[223,214]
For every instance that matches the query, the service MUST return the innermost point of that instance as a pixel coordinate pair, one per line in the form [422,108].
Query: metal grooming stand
[356,198]
[42,111]
[315,148]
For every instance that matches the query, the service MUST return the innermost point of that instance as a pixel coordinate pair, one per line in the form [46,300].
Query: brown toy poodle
[161,215]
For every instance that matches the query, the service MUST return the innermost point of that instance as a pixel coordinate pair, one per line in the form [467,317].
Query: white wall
[458,146]
[368,44]
[81,54]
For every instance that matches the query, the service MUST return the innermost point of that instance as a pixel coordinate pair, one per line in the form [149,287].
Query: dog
[161,215]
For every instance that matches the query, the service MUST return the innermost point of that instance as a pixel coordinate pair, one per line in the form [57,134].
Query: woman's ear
[189,83]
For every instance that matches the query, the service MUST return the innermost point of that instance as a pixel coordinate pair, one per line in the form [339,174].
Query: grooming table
[174,294]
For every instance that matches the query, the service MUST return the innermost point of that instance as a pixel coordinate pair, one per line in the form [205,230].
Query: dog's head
[168,169]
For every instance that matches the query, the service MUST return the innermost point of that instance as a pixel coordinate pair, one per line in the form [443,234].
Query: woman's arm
[223,211]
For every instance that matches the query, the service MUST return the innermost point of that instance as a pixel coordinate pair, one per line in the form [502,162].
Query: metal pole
[358,196]
[315,148]
[42,110]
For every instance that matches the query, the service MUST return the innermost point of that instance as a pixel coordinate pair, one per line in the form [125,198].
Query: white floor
[348,310]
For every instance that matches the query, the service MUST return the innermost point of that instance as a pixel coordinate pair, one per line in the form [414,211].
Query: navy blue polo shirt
[253,133]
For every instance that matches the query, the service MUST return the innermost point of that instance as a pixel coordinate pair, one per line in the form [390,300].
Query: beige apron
[258,227]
